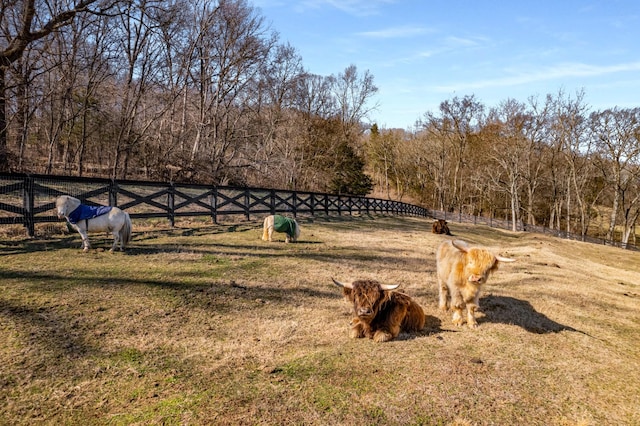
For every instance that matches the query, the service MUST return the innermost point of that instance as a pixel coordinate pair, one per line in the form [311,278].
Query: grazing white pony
[85,219]
[283,224]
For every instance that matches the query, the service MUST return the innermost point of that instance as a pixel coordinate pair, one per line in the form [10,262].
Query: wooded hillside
[206,92]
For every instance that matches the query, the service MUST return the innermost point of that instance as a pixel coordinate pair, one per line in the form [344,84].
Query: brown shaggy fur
[382,314]
[440,227]
[461,272]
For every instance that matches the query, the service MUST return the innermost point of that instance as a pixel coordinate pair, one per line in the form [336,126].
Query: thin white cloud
[447,45]
[395,32]
[552,73]
[351,7]
[459,41]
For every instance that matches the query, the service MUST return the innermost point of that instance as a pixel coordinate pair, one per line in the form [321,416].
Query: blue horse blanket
[84,212]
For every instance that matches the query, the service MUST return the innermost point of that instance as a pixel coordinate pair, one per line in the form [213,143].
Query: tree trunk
[514,206]
[4,158]
[614,215]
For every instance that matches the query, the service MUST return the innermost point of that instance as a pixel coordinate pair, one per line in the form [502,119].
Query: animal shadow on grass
[432,325]
[509,310]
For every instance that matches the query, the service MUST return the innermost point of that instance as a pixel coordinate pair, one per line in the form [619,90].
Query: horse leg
[116,239]
[85,240]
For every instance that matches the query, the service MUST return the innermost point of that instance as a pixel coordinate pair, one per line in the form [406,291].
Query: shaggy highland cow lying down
[440,227]
[380,313]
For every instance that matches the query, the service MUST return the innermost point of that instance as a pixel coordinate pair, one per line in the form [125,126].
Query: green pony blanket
[284,224]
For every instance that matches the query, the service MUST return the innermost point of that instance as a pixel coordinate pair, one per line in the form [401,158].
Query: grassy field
[207,324]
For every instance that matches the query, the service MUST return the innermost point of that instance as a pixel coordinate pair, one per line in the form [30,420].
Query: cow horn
[389,286]
[505,259]
[339,284]
[460,245]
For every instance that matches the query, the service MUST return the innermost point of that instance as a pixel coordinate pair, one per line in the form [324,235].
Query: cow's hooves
[355,334]
[382,336]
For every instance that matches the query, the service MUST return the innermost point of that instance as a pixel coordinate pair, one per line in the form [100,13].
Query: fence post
[312,202]
[113,193]
[213,201]
[247,206]
[272,201]
[294,195]
[27,204]
[171,200]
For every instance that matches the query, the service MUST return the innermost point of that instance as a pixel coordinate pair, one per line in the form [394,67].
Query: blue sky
[422,52]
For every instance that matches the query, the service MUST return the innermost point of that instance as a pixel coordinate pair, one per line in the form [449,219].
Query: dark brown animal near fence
[440,227]
[30,199]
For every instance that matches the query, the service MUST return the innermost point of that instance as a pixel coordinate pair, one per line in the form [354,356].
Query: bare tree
[569,131]
[380,150]
[353,93]
[453,128]
[232,44]
[507,151]
[277,156]
[23,22]
[536,133]
[27,99]
[616,133]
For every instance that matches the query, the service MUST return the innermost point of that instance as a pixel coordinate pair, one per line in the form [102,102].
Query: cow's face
[367,297]
[480,263]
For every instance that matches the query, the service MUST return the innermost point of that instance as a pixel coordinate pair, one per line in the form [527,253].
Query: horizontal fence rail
[30,199]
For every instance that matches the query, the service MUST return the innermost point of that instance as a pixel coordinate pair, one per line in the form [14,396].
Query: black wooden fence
[30,199]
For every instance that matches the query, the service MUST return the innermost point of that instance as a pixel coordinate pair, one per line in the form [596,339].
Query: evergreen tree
[349,173]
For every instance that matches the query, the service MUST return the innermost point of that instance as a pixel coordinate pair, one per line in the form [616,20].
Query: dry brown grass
[208,324]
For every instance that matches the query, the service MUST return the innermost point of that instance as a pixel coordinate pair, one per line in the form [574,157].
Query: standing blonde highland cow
[461,271]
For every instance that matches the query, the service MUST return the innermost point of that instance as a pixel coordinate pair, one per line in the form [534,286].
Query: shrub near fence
[30,199]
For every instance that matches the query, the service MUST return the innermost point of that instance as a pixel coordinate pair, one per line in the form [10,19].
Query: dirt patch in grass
[207,324]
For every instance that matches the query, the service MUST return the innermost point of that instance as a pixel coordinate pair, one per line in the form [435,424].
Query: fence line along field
[208,324]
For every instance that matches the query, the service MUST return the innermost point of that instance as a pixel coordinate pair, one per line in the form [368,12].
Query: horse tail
[296,233]
[265,229]
[125,232]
